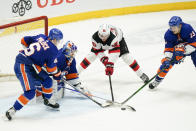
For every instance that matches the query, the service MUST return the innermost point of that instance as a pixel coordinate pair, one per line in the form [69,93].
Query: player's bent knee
[29,94]
[47,83]
[127,58]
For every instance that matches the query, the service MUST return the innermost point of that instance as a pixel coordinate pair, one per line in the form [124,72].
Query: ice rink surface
[171,107]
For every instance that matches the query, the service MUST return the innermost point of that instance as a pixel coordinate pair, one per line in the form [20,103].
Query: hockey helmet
[104,31]
[175,21]
[55,34]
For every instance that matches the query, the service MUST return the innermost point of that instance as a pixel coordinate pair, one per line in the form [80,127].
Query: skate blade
[52,109]
[3,117]
[128,108]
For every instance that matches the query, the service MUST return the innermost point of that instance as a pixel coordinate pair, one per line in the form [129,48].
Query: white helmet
[104,31]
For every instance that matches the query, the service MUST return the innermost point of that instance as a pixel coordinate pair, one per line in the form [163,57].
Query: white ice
[171,107]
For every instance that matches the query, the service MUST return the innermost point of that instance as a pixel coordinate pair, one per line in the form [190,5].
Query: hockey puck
[123,108]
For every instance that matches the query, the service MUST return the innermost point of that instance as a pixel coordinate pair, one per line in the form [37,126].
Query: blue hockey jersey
[67,66]
[187,35]
[40,52]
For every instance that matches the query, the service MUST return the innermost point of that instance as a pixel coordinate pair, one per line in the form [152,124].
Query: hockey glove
[104,60]
[179,54]
[189,49]
[109,68]
[57,76]
[165,63]
[43,74]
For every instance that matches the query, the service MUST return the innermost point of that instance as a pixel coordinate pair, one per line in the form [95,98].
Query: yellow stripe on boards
[122,11]
[102,13]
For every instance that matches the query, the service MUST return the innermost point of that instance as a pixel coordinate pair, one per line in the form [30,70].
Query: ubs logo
[21,7]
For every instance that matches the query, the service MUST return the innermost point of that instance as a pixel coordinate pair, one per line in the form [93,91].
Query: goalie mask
[69,49]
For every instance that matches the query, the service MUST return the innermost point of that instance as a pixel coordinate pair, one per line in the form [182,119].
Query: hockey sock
[85,63]
[47,92]
[162,75]
[132,63]
[90,58]
[24,99]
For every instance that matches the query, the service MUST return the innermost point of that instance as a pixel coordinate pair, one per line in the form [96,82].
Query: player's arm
[117,31]
[96,48]
[168,51]
[41,71]
[114,52]
[72,74]
[52,69]
[27,40]
[170,41]
[99,52]
[90,58]
[191,39]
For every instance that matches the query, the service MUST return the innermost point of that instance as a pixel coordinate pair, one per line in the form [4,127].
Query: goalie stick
[100,104]
[108,102]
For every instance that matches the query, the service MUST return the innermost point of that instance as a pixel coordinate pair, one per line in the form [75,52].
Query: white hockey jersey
[111,44]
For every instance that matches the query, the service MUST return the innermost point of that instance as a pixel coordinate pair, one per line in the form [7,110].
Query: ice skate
[154,84]
[51,103]
[144,77]
[10,113]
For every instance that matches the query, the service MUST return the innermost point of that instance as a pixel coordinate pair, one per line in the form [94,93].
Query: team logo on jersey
[21,7]
[55,60]
[115,44]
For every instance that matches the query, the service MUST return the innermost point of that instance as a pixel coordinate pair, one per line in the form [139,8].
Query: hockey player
[110,38]
[39,50]
[67,64]
[180,41]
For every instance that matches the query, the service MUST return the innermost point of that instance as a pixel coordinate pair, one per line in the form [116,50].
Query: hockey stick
[111,88]
[101,105]
[63,93]
[108,102]
[122,103]
[91,94]
[140,88]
